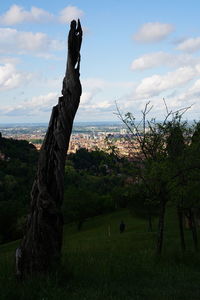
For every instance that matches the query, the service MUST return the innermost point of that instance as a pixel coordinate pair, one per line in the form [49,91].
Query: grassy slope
[122,266]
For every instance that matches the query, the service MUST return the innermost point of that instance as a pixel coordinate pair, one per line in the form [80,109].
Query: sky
[133,51]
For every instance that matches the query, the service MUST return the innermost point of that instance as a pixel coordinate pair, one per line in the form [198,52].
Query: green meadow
[100,263]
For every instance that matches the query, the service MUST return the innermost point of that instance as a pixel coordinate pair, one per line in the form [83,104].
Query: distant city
[106,136]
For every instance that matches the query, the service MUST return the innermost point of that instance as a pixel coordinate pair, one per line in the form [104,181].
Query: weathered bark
[160,227]
[40,248]
[181,229]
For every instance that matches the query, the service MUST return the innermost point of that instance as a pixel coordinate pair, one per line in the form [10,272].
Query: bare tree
[40,249]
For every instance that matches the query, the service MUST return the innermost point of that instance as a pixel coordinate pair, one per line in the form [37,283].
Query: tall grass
[120,266]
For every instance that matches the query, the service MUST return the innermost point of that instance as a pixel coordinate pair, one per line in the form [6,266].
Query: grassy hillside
[120,266]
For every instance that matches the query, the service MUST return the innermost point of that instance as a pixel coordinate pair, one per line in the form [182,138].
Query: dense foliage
[95,183]
[17,168]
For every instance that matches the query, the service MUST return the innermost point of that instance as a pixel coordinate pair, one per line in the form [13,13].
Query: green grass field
[120,266]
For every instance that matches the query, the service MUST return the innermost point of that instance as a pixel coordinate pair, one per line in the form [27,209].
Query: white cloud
[188,97]
[156,84]
[157,59]
[178,87]
[10,78]
[148,61]
[42,105]
[91,88]
[195,89]
[153,32]
[35,106]
[43,102]
[93,99]
[92,102]
[88,96]
[21,42]
[189,45]
[17,14]
[91,107]
[70,13]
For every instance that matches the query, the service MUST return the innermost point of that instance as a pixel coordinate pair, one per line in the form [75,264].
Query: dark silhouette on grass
[40,249]
[122,227]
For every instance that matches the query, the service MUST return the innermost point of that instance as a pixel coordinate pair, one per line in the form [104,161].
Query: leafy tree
[161,146]
[142,204]
[175,146]
[120,196]
[81,204]
[185,166]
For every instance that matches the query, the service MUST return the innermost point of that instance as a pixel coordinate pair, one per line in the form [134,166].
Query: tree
[182,145]
[40,249]
[157,143]
[192,189]
[175,146]
[81,204]
[142,204]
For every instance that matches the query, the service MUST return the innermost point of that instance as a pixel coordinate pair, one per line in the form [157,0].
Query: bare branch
[166,106]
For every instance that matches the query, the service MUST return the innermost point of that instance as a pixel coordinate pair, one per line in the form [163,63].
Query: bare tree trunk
[181,230]
[160,227]
[40,248]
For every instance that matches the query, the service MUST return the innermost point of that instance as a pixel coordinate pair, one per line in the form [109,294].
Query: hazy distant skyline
[132,52]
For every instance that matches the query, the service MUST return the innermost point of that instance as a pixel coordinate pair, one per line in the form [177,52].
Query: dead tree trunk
[40,248]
